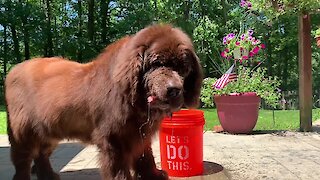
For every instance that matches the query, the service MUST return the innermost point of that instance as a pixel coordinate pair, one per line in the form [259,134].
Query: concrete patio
[262,155]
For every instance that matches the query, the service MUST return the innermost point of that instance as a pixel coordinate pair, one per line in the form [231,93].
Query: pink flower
[223,54]
[237,43]
[242,36]
[226,50]
[251,54]
[231,36]
[250,31]
[263,46]
[225,40]
[245,57]
[256,50]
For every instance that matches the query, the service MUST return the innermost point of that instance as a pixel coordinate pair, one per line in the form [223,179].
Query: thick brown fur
[103,102]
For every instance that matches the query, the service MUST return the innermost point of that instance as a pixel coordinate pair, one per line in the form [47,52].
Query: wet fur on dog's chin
[103,102]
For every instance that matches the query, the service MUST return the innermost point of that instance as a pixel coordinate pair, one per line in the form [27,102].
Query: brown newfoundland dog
[116,102]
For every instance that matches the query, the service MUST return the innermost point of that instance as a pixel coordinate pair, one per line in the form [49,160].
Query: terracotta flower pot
[238,113]
[318,41]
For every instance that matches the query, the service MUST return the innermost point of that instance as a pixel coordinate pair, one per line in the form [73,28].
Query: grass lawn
[283,120]
[3,120]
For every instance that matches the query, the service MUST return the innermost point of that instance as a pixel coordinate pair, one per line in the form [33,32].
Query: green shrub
[206,92]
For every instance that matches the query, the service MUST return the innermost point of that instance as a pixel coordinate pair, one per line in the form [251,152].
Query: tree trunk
[224,10]
[91,21]
[25,33]
[186,12]
[5,50]
[269,53]
[80,45]
[49,43]
[305,73]
[15,39]
[103,13]
[15,43]
[203,9]
[26,38]
[285,69]
[156,10]
[26,43]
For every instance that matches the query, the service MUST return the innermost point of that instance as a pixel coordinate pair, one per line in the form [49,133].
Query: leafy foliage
[275,8]
[317,33]
[206,95]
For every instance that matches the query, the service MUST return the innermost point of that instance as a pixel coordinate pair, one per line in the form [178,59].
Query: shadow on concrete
[62,155]
[211,168]
[316,129]
[84,174]
[211,171]
[275,132]
[257,132]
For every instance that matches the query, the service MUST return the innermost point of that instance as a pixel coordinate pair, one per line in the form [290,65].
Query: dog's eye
[157,64]
[183,69]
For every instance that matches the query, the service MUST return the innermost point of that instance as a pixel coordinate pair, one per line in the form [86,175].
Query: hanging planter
[241,46]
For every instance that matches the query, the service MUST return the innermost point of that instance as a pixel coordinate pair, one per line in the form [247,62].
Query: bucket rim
[185,117]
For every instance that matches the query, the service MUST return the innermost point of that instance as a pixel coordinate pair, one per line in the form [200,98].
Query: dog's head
[165,65]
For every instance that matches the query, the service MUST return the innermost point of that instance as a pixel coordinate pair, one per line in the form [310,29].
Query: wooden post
[305,73]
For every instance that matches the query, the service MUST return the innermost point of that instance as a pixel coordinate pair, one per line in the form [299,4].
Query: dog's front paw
[161,175]
[155,175]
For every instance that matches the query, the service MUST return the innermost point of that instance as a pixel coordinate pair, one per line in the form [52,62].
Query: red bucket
[181,143]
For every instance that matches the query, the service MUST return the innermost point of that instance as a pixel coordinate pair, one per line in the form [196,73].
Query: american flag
[225,78]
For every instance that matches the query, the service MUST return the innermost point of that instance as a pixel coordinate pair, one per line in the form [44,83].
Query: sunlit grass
[3,120]
[268,119]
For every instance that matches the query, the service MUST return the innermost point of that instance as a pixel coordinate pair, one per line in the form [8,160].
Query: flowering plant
[242,47]
[245,4]
[257,81]
[248,81]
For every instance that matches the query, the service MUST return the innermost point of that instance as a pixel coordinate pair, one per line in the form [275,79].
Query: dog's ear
[129,69]
[193,82]
[136,65]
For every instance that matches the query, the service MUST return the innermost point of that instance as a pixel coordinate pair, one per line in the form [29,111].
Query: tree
[303,9]
[91,21]
[12,23]
[24,17]
[80,42]
[48,48]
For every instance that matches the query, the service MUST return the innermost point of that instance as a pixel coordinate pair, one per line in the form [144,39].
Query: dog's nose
[173,92]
